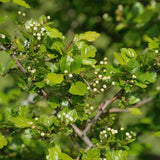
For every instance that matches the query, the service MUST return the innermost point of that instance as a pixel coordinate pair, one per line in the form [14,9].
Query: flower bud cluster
[65,117]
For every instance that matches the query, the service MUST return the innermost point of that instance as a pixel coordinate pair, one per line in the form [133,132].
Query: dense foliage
[66,114]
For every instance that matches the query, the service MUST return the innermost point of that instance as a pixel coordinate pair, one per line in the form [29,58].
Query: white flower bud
[97,82]
[65,71]
[91,108]
[104,70]
[36,118]
[42,134]
[121,128]
[104,86]
[101,62]
[134,76]
[70,75]
[35,28]
[156,51]
[127,134]
[19,12]
[70,118]
[94,89]
[38,34]
[23,14]
[104,78]
[105,62]
[42,29]
[108,77]
[105,58]
[108,129]
[48,17]
[95,72]
[102,90]
[113,83]
[100,76]
[88,88]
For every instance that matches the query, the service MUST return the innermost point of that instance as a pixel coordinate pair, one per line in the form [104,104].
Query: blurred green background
[122,24]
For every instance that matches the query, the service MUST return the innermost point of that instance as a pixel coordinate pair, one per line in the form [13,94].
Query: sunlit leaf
[135,111]
[53,78]
[21,3]
[53,32]
[90,36]
[3,141]
[53,153]
[156,134]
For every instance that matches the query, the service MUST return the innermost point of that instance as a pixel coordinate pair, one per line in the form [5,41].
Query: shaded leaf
[21,122]
[78,88]
[2,19]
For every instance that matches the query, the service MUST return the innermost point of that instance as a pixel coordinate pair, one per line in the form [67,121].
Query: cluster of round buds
[65,117]
[112,131]
[119,13]
[103,134]
[104,62]
[20,13]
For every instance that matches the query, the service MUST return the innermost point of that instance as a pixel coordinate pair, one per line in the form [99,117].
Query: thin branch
[82,136]
[101,110]
[115,110]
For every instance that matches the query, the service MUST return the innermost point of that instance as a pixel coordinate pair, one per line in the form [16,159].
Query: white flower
[127,134]
[156,51]
[65,71]
[104,86]
[102,90]
[91,108]
[115,131]
[36,118]
[38,34]
[134,76]
[101,62]
[67,116]
[100,76]
[97,81]
[121,128]
[42,29]
[105,135]
[59,116]
[48,17]
[70,75]
[31,25]
[94,89]
[70,118]
[104,70]
[88,88]
[113,83]
[35,28]
[42,134]
[19,12]
[104,131]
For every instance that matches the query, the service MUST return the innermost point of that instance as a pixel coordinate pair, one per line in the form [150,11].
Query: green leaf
[88,51]
[76,64]
[116,155]
[153,44]
[156,134]
[89,61]
[21,122]
[42,19]
[133,99]
[53,32]
[65,63]
[3,141]
[23,110]
[10,64]
[19,45]
[119,58]
[39,84]
[147,77]
[21,3]
[92,154]
[46,120]
[132,66]
[2,19]
[128,53]
[135,111]
[53,153]
[53,78]
[78,88]
[4,1]
[90,36]
[54,101]
[65,157]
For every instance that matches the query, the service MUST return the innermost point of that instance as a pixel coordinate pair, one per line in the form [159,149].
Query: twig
[114,110]
[70,43]
[82,135]
[101,110]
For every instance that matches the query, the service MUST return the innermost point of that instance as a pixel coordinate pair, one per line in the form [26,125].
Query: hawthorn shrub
[60,119]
